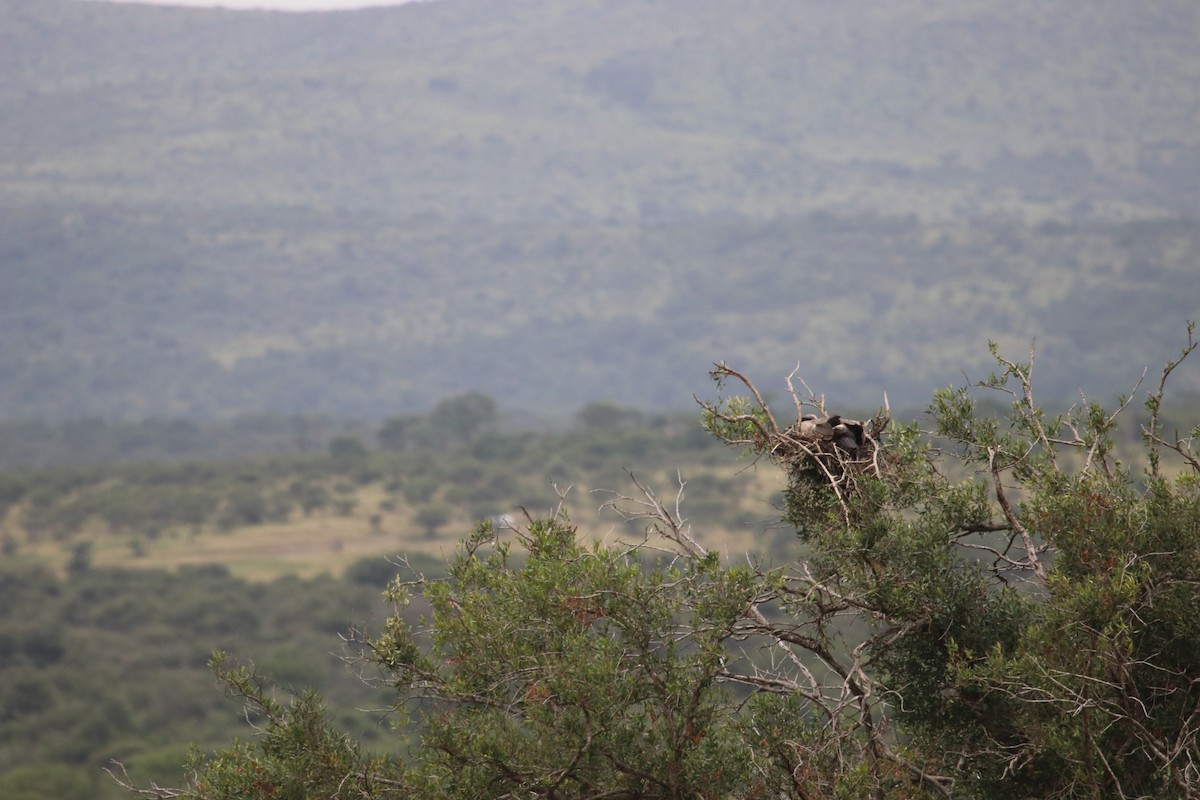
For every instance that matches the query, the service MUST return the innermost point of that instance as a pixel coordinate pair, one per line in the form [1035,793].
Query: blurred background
[284,294]
[206,213]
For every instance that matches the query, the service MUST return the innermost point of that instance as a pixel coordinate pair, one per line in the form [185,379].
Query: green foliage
[451,422]
[1000,608]
[1093,692]
[38,783]
[111,664]
[29,443]
[580,671]
[298,755]
[607,415]
[346,449]
[81,558]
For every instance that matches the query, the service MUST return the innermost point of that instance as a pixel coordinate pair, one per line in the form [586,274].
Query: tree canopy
[1005,605]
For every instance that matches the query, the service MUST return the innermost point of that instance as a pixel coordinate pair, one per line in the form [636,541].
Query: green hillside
[206,213]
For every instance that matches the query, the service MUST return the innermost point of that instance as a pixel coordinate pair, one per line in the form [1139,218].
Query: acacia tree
[998,607]
[1024,624]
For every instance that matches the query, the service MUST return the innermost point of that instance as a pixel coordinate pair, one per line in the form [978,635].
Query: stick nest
[817,450]
[829,449]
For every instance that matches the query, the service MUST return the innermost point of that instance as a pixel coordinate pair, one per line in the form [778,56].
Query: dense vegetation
[103,652]
[205,213]
[110,663]
[1012,614]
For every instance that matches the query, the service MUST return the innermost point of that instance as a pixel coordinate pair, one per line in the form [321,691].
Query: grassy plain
[327,542]
[264,517]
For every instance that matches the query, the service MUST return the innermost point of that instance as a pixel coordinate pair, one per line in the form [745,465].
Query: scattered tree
[432,517]
[452,421]
[463,417]
[347,449]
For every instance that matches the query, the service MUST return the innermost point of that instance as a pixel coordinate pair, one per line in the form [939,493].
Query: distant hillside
[210,213]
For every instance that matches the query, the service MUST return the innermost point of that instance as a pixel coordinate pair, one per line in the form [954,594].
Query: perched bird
[849,436]
[814,427]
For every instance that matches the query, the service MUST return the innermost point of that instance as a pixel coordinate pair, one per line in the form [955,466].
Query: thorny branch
[721,371]
[792,623]
[1103,688]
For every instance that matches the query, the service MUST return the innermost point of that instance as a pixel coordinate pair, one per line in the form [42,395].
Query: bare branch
[155,791]
[1031,553]
[723,370]
[668,523]
[1028,407]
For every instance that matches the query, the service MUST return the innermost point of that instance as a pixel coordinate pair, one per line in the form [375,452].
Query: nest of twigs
[825,457]
[818,449]
[829,448]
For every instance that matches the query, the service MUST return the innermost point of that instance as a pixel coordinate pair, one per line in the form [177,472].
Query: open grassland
[327,542]
[306,515]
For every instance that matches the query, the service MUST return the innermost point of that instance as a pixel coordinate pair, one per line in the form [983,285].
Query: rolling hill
[206,213]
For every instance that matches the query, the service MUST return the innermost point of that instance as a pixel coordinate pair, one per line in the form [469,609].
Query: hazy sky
[282,5]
